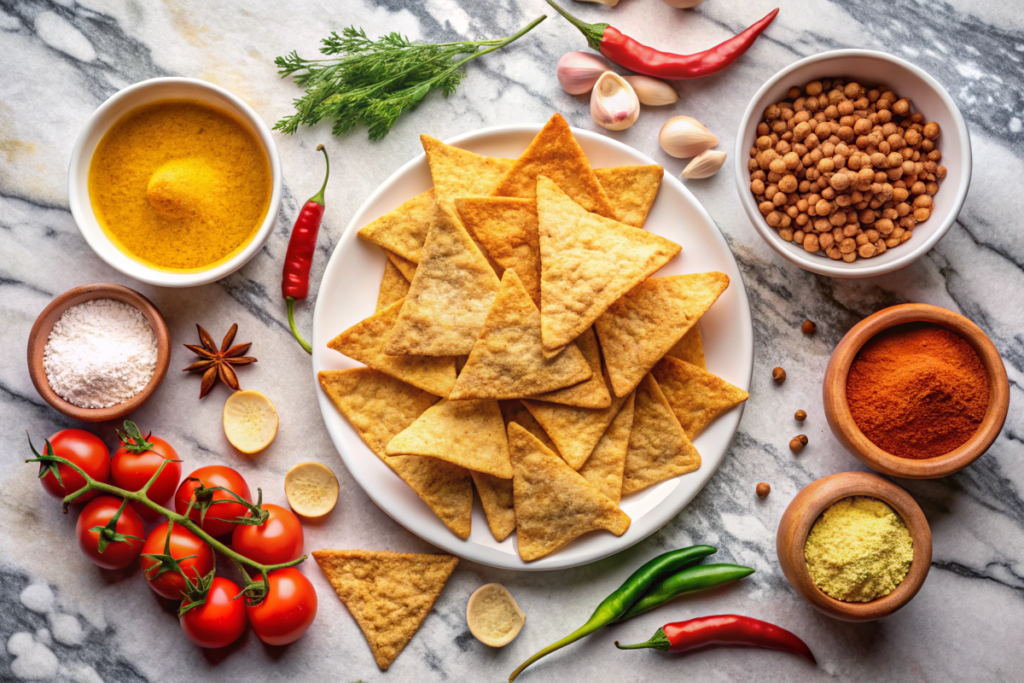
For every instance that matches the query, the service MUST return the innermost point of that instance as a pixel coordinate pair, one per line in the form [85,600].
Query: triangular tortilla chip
[631,191]
[556,154]
[690,348]
[407,267]
[470,434]
[506,228]
[696,396]
[496,500]
[590,394]
[378,407]
[605,466]
[506,361]
[388,594]
[515,411]
[393,286]
[587,262]
[365,341]
[639,329]
[449,297]
[402,231]
[658,448]
[461,173]
[554,504]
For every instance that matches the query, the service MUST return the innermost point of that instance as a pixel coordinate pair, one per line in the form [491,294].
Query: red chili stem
[635,56]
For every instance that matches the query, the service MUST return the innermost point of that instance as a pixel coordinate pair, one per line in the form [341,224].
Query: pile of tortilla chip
[522,346]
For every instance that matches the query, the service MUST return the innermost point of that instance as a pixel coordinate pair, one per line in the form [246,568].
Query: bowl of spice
[916,391]
[855,545]
[97,352]
[852,163]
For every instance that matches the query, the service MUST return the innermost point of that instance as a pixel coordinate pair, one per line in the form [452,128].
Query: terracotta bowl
[40,333]
[837,411]
[805,509]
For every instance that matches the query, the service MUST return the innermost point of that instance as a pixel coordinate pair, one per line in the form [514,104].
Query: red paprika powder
[918,390]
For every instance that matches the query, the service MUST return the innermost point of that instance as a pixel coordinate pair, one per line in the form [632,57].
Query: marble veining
[61,619]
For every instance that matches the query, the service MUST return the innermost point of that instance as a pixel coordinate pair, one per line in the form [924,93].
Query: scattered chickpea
[779,375]
[800,415]
[763,489]
[797,443]
[808,326]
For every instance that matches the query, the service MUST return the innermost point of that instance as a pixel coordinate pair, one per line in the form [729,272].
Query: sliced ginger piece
[311,489]
[493,616]
[250,421]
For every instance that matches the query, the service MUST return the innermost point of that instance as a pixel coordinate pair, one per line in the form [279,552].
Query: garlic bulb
[684,137]
[611,3]
[704,165]
[613,104]
[651,91]
[680,4]
[579,71]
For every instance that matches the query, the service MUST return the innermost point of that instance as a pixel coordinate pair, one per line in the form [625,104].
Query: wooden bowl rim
[40,334]
[822,493]
[840,419]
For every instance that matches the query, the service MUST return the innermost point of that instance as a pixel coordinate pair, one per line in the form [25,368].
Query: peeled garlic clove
[651,91]
[613,104]
[579,71]
[704,165]
[684,137]
[681,4]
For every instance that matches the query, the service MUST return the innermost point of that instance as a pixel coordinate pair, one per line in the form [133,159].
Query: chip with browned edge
[496,500]
[631,191]
[554,504]
[605,466]
[590,394]
[470,434]
[461,173]
[378,407]
[402,231]
[388,594]
[506,227]
[690,348]
[640,328]
[696,396]
[393,286]
[587,263]
[658,448]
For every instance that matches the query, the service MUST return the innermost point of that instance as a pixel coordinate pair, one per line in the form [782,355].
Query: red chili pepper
[724,629]
[301,247]
[637,57]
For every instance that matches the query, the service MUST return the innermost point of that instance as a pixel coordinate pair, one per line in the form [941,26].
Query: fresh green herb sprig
[373,82]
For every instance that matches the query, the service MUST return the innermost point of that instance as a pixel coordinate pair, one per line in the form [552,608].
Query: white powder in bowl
[100,353]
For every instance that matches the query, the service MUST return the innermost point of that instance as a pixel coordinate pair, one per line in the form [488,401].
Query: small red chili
[637,57]
[301,247]
[724,629]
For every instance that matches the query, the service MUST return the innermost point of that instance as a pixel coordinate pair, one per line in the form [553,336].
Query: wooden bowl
[837,411]
[40,333]
[805,509]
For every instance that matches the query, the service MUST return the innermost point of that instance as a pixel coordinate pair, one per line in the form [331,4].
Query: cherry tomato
[132,470]
[220,620]
[214,475]
[85,450]
[119,553]
[288,610]
[171,584]
[277,540]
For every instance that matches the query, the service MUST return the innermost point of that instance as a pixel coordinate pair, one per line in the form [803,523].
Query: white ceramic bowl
[106,116]
[926,96]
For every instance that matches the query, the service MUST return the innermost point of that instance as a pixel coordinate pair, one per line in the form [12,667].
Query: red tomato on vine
[109,532]
[83,449]
[287,611]
[136,461]
[160,552]
[275,541]
[220,516]
[220,620]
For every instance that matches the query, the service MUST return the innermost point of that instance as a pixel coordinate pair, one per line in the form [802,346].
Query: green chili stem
[295,330]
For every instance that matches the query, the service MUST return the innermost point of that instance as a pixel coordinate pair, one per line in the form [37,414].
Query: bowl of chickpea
[852,163]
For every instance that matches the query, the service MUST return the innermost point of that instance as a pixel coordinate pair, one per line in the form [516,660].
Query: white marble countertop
[61,618]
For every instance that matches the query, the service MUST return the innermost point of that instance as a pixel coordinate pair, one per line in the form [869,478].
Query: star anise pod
[216,363]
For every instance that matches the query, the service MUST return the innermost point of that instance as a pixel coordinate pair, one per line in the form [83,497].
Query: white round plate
[348,294]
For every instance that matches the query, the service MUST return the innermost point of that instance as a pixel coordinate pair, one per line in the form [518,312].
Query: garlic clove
[704,165]
[678,4]
[613,103]
[684,137]
[651,91]
[579,71]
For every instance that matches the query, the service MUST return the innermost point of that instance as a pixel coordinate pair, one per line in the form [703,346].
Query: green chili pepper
[697,578]
[616,604]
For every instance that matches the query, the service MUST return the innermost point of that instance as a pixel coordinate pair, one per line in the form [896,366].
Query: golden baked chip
[605,466]
[556,154]
[639,329]
[658,448]
[470,434]
[407,267]
[365,342]
[690,348]
[696,396]
[393,286]
[506,228]
[506,361]
[449,297]
[461,173]
[590,394]
[515,411]
[402,231]
[378,407]
[631,191]
[388,594]
[554,504]
[496,500]
[587,262]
